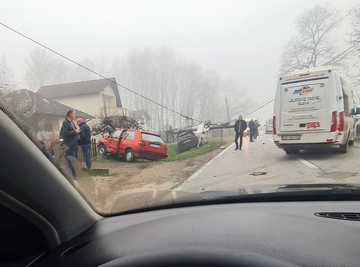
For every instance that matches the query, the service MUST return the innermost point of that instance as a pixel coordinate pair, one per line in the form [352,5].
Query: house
[40,116]
[99,98]
[143,118]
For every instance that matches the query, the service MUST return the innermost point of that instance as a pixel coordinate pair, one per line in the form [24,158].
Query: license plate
[154,146]
[290,137]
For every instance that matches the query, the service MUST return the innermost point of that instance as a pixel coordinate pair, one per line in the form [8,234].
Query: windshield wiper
[334,188]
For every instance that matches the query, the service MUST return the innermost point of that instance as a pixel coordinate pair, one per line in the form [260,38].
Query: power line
[260,106]
[344,53]
[100,75]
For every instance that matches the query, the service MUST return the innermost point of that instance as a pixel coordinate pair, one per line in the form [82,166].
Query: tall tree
[312,46]
[38,68]
[6,76]
[354,70]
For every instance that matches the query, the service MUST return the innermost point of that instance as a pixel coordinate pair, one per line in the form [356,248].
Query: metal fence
[172,136]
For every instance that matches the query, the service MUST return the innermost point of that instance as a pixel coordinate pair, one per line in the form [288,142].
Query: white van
[314,109]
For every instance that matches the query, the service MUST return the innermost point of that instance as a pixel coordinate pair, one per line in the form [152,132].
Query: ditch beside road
[142,176]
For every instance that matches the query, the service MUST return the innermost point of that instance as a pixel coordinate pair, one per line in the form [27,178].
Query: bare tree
[159,74]
[354,71]
[38,68]
[80,74]
[60,72]
[312,46]
[7,82]
[237,102]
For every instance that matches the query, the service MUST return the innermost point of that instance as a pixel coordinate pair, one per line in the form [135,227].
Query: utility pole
[227,108]
[228,114]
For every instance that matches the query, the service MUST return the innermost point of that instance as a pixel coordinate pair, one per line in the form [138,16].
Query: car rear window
[185,135]
[151,138]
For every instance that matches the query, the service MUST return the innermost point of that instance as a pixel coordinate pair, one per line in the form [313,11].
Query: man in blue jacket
[71,138]
[85,140]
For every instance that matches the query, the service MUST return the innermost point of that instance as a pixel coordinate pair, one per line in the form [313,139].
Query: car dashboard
[300,233]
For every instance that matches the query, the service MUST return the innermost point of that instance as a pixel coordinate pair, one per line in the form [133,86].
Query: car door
[113,141]
[127,140]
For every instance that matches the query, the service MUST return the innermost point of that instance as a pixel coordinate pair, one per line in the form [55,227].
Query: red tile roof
[79,88]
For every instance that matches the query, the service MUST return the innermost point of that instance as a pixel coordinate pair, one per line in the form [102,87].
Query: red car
[133,144]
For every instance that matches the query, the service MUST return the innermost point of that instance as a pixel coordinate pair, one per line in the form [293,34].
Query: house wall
[89,103]
[56,122]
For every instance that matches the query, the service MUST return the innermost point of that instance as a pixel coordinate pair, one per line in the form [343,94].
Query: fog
[241,40]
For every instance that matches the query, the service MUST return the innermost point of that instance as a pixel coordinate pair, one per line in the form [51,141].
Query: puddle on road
[338,175]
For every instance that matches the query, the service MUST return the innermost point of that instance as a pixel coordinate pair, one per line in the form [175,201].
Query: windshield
[206,95]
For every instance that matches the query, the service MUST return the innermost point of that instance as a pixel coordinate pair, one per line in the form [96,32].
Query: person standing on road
[71,137]
[252,127]
[257,129]
[239,128]
[85,140]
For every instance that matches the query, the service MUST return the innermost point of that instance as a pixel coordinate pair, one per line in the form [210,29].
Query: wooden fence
[93,150]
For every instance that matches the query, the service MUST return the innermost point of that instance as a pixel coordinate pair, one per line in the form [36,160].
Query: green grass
[357,140]
[114,174]
[173,154]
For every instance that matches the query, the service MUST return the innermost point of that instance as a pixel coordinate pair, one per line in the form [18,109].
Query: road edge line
[192,177]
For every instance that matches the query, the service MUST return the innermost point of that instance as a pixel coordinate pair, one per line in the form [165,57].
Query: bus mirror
[355,111]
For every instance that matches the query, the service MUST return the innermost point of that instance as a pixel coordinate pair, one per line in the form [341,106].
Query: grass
[114,174]
[173,154]
[357,140]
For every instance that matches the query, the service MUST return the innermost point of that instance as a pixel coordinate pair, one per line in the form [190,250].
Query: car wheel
[288,152]
[102,150]
[129,155]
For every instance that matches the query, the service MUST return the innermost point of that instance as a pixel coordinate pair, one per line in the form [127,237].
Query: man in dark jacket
[71,137]
[239,128]
[85,140]
[253,130]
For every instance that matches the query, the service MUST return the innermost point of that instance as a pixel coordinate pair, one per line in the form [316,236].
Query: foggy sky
[242,40]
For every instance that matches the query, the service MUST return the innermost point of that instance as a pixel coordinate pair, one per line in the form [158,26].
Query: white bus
[314,109]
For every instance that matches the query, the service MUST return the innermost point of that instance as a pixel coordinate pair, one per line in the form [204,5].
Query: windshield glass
[136,103]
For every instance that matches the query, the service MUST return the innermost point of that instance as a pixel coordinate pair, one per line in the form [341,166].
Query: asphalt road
[233,169]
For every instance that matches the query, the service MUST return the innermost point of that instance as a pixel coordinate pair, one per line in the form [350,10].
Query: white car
[269,126]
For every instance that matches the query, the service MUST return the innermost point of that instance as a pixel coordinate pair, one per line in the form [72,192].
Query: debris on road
[258,173]
[222,147]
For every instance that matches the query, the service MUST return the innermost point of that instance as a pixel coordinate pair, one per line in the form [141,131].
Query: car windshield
[138,102]
[116,134]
